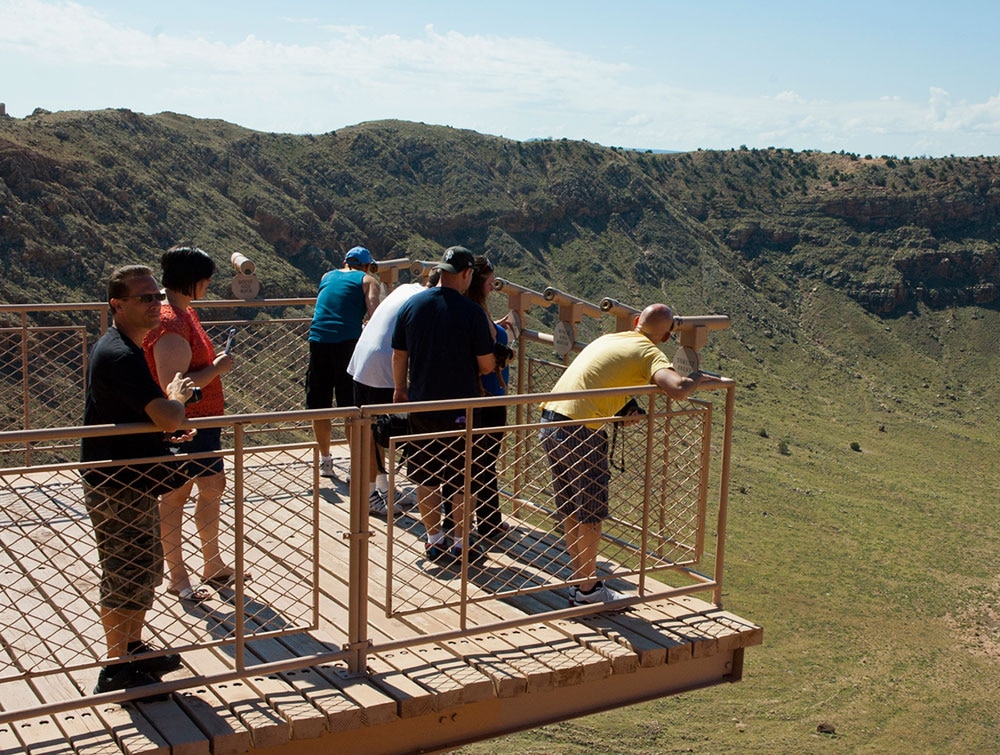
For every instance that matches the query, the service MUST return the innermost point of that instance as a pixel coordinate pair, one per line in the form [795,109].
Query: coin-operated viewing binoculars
[245,285]
[692,335]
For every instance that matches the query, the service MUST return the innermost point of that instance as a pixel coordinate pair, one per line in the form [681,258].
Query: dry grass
[875,573]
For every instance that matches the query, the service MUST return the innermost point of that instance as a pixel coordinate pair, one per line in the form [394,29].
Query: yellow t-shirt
[615,360]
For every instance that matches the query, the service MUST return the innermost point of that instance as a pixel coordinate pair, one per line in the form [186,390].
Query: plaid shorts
[127,529]
[578,458]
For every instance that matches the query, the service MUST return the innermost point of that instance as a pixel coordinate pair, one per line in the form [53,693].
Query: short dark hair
[183,266]
[120,281]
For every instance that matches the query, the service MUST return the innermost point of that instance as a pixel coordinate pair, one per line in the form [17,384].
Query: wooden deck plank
[750,634]
[133,733]
[508,661]
[34,630]
[288,694]
[85,733]
[650,649]
[507,680]
[568,660]
[429,665]
[36,734]
[266,726]
[81,727]
[414,682]
[9,743]
[347,702]
[180,732]
[375,702]
[224,732]
[623,660]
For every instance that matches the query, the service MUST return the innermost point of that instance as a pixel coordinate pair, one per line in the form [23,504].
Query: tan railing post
[720,537]
[359,432]
[238,531]
[519,301]
[571,311]
[26,415]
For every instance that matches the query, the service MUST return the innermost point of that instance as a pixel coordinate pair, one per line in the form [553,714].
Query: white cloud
[940,101]
[519,87]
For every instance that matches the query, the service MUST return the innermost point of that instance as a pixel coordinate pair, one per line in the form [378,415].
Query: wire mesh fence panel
[270,359]
[280,532]
[50,581]
[656,494]
[45,367]
[53,576]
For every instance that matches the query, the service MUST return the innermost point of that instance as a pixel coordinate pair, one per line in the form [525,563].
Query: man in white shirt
[371,368]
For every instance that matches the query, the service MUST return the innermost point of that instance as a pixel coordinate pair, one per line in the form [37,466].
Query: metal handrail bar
[359,645]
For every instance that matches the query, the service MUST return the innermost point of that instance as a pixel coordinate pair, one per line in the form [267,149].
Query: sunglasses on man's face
[147,298]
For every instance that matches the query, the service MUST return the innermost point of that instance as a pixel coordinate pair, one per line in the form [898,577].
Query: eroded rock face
[80,192]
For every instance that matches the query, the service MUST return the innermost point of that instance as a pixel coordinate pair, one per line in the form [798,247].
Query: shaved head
[656,322]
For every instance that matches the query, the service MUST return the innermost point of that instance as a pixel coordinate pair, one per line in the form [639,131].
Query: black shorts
[366,395]
[327,375]
[437,461]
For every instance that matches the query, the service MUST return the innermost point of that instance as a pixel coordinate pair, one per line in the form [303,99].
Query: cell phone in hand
[229,340]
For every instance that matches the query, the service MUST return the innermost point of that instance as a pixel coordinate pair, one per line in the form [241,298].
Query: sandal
[194,594]
[226,579]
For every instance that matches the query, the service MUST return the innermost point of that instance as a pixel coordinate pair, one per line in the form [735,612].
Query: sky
[881,77]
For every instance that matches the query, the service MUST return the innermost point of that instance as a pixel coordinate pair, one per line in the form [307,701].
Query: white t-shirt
[371,363]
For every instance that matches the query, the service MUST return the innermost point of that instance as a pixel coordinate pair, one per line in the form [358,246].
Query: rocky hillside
[83,191]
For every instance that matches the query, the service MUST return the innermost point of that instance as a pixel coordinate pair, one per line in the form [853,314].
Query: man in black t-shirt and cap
[121,499]
[441,345]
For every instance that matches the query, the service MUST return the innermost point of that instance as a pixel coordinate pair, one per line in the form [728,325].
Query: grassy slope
[874,572]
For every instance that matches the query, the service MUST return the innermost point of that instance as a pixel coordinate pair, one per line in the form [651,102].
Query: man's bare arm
[168,413]
[400,363]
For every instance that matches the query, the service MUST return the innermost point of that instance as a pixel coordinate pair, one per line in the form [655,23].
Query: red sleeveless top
[185,323]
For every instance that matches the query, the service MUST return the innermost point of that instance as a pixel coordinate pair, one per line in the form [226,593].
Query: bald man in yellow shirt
[578,453]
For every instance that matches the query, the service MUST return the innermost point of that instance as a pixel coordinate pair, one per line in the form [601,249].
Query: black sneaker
[437,551]
[158,665]
[126,676]
[476,554]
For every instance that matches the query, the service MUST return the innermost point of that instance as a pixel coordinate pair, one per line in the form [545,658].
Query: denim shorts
[206,439]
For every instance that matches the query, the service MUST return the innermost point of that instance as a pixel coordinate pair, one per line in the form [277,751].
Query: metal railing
[659,519]
[665,469]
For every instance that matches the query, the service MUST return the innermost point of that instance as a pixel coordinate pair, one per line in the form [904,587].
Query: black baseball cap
[457,259]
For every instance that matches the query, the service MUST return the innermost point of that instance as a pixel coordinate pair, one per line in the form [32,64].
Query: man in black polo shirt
[441,344]
[121,499]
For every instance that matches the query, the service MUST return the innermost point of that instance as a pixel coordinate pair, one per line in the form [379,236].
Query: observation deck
[347,639]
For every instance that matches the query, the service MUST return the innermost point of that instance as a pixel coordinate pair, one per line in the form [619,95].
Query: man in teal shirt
[346,298]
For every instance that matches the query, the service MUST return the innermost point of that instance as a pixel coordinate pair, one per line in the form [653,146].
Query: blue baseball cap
[359,256]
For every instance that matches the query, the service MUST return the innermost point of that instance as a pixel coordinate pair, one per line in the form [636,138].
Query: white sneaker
[377,504]
[600,594]
[326,467]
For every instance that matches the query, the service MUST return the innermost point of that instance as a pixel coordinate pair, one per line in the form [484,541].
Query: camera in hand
[631,409]
[195,396]
[502,354]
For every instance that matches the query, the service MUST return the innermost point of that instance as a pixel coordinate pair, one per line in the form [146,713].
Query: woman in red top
[180,344]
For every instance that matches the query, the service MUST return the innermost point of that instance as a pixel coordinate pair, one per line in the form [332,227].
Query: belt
[550,416]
